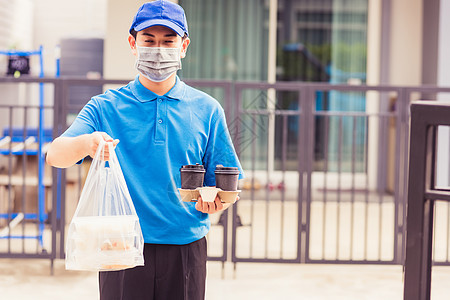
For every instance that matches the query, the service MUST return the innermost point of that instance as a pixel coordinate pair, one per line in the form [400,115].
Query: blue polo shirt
[159,134]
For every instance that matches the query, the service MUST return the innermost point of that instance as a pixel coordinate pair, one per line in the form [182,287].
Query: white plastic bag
[104,234]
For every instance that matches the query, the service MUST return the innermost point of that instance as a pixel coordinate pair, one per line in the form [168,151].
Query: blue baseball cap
[163,13]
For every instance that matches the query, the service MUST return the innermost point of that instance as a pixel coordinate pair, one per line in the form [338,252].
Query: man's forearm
[66,151]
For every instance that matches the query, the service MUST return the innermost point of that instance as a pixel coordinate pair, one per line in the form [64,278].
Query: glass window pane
[326,41]
[228,39]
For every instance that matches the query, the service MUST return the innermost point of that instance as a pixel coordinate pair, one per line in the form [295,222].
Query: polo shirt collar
[145,95]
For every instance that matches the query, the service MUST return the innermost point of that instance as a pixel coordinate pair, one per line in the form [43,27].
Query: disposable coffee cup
[226,178]
[192,176]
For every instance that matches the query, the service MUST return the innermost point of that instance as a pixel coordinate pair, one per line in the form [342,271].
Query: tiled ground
[31,279]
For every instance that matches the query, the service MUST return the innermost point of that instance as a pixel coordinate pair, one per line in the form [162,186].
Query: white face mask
[157,63]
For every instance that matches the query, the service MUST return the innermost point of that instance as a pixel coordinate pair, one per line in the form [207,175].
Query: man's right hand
[66,151]
[94,142]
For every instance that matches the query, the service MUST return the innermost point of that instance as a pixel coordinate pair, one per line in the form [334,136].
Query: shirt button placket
[159,128]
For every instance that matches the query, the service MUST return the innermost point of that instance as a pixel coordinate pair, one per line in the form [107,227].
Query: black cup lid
[226,170]
[193,167]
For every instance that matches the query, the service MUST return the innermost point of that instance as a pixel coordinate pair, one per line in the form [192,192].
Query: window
[317,40]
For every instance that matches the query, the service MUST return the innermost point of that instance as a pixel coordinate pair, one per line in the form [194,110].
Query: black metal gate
[321,199]
[326,169]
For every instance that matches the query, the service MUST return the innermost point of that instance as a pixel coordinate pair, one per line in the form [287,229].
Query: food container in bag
[104,233]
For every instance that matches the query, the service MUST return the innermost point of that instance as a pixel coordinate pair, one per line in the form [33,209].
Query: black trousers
[171,272]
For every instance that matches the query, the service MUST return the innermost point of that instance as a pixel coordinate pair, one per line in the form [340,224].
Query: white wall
[443,165]
[58,19]
[16,19]
[6,16]
[22,26]
[406,42]
[118,60]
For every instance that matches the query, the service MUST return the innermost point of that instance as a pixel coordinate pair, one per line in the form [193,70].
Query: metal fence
[423,198]
[325,182]
[324,209]
[345,200]
[29,202]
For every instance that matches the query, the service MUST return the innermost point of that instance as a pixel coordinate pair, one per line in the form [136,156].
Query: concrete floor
[31,279]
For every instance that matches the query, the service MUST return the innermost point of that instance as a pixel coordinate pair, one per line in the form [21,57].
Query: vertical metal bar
[283,169]
[400,167]
[405,96]
[64,111]
[430,181]
[427,249]
[230,116]
[24,170]
[252,190]
[381,147]
[238,114]
[406,134]
[448,171]
[418,258]
[433,239]
[225,239]
[448,231]
[339,171]
[302,99]
[352,211]
[38,205]
[60,214]
[309,159]
[325,188]
[228,105]
[238,97]
[55,178]
[40,161]
[366,197]
[405,153]
[268,191]
[403,148]
[10,157]
[228,113]
[380,194]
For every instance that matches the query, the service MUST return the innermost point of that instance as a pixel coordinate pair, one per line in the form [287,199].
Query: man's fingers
[205,207]
[209,207]
[97,137]
[106,137]
[201,205]
[218,203]
[198,205]
[212,207]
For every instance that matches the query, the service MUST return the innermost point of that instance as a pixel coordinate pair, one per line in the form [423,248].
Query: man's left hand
[211,207]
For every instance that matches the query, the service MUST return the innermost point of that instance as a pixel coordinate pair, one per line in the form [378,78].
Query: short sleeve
[219,149]
[86,122]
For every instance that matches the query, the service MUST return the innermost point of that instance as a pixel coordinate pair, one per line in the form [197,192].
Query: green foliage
[346,57]
[350,57]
